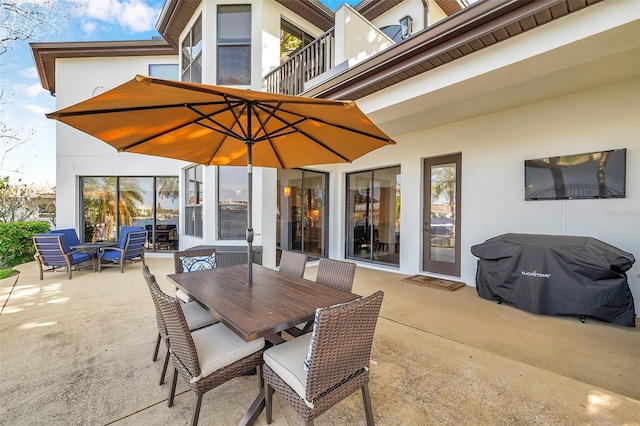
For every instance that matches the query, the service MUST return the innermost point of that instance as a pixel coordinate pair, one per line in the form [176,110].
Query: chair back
[230,258]
[152,283]
[336,273]
[50,249]
[124,233]
[179,337]
[341,342]
[293,263]
[134,244]
[177,255]
[70,238]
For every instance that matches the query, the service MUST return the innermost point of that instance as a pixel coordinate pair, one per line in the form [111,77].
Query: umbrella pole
[249,220]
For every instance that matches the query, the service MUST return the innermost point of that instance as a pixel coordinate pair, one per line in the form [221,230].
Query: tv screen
[580,176]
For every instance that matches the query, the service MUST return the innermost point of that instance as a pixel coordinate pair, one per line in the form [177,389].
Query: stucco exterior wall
[80,155]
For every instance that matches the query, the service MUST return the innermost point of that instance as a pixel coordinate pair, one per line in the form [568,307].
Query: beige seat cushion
[196,316]
[183,296]
[217,347]
[287,361]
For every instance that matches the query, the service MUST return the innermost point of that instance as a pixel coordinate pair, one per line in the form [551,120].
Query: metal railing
[314,59]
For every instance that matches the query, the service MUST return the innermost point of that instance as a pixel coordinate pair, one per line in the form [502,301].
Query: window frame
[222,44]
[223,207]
[193,221]
[191,53]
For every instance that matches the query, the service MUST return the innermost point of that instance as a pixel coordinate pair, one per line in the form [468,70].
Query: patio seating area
[80,352]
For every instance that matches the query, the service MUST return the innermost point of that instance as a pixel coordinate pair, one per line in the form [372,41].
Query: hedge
[16,242]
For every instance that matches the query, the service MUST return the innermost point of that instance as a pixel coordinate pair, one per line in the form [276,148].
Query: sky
[25,101]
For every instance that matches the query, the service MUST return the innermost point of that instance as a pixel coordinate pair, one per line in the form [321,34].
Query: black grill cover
[557,275]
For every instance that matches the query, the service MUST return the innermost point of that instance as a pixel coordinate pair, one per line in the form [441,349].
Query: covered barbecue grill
[557,275]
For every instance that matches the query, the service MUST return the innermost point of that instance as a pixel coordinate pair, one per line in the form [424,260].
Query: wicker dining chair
[230,258]
[293,263]
[194,260]
[333,273]
[336,273]
[208,357]
[195,315]
[316,371]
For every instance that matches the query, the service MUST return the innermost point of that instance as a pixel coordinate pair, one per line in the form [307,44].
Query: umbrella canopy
[215,125]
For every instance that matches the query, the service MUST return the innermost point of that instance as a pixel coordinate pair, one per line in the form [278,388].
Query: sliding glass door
[301,225]
[110,202]
[373,216]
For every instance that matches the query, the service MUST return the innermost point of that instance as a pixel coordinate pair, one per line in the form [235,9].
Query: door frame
[429,265]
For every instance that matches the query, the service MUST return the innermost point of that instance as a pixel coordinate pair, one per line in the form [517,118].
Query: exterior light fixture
[405,25]
[287,191]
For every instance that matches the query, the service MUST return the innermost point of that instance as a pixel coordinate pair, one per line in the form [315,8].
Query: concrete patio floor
[78,352]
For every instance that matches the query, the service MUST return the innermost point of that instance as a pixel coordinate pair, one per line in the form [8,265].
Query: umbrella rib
[140,142]
[222,130]
[319,120]
[262,127]
[236,116]
[294,130]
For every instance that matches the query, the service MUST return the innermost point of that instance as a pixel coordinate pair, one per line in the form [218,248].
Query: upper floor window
[292,39]
[234,45]
[191,48]
[166,71]
[193,202]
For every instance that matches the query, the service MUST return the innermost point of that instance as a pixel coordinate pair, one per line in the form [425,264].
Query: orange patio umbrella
[215,125]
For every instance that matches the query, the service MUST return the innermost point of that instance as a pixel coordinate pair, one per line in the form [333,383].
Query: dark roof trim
[481,25]
[174,17]
[371,9]
[45,54]
[312,11]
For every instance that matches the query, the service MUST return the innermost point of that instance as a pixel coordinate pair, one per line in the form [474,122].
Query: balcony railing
[314,59]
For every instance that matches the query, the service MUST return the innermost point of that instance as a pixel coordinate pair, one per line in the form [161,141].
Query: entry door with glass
[441,215]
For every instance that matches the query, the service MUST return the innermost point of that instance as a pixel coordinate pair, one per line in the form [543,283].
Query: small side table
[93,249]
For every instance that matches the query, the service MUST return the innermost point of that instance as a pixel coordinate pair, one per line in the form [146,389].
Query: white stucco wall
[494,148]
[356,39]
[569,87]
[78,154]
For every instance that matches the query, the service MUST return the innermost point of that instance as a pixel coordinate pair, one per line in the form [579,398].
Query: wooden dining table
[274,302]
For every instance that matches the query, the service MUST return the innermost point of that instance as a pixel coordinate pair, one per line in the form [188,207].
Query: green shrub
[16,242]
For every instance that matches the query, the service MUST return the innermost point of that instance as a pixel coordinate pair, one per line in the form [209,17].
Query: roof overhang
[45,54]
[480,25]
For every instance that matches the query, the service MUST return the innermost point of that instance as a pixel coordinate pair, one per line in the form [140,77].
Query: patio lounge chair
[316,371]
[53,251]
[196,316]
[293,263]
[130,246]
[205,358]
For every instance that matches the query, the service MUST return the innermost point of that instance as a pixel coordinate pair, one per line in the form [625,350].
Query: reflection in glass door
[301,223]
[373,216]
[111,202]
[441,215]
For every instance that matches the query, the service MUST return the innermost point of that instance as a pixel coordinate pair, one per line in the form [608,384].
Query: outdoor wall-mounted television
[599,174]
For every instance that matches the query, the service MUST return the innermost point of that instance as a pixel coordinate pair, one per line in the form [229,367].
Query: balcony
[313,60]
[352,40]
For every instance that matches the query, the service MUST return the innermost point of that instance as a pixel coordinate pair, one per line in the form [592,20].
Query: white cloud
[36,108]
[30,72]
[34,90]
[88,27]
[133,15]
[29,90]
